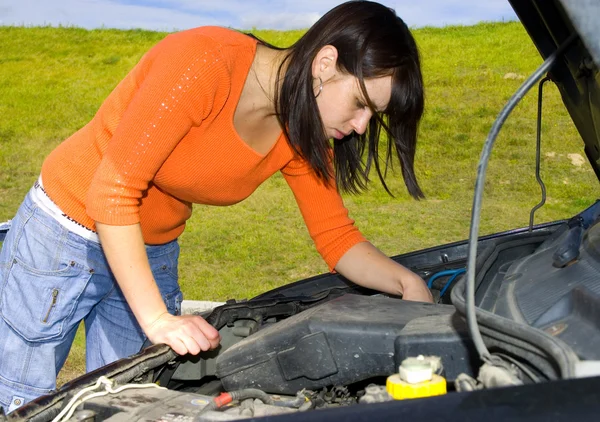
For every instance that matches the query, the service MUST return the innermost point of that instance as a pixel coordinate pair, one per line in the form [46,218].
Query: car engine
[340,347]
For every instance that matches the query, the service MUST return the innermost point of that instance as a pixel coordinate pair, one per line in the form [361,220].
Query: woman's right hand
[185,333]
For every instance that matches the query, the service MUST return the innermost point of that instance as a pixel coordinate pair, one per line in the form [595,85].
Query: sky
[173,15]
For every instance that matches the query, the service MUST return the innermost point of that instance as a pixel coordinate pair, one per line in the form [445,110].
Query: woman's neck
[264,71]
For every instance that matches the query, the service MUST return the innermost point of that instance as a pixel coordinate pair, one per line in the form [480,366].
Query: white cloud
[454,12]
[243,14]
[279,20]
[99,13]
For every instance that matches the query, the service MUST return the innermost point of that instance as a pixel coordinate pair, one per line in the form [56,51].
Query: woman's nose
[361,120]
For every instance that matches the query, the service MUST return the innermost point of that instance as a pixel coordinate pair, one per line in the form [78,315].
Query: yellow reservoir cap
[401,390]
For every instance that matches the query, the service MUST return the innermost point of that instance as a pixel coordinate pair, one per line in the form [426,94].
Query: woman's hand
[185,334]
[366,265]
[414,288]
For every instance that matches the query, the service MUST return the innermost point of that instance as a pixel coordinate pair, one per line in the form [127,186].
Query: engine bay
[338,348]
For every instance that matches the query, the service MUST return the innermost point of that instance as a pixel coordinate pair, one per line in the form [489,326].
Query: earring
[320,86]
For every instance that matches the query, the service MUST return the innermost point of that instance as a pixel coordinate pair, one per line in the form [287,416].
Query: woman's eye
[360,104]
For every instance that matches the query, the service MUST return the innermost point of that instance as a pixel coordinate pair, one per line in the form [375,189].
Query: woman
[206,116]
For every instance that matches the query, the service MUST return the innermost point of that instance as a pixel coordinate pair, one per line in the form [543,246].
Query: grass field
[52,81]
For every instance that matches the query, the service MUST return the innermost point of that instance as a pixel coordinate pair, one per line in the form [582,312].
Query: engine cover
[346,340]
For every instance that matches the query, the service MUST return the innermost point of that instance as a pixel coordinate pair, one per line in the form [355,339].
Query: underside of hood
[549,24]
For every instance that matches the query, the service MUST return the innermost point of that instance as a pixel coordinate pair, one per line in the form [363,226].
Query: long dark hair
[371,42]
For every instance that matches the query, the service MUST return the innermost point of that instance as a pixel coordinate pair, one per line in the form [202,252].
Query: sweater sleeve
[324,213]
[172,89]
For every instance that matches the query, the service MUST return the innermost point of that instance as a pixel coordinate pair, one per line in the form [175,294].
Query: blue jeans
[50,280]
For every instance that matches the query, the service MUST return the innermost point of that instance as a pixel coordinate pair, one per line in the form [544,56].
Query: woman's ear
[324,65]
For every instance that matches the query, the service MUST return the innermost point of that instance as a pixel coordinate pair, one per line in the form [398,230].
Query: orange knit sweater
[164,139]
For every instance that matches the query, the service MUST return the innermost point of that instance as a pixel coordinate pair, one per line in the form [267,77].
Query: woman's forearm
[367,266]
[125,251]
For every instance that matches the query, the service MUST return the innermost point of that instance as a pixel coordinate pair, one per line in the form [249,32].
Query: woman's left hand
[367,266]
[416,290]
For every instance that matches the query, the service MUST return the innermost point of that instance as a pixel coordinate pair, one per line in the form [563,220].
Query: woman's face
[343,107]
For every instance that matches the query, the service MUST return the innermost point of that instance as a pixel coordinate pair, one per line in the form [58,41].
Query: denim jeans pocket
[163,263]
[43,283]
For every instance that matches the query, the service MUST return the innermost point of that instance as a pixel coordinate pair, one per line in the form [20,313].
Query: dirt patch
[512,75]
[576,159]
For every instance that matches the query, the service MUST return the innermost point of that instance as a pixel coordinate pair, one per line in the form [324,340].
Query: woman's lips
[338,135]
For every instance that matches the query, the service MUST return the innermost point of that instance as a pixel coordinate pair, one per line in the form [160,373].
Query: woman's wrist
[415,288]
[151,318]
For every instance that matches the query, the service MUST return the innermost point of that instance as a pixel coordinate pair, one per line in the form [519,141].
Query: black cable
[251,393]
[538,154]
[484,354]
[239,395]
[293,403]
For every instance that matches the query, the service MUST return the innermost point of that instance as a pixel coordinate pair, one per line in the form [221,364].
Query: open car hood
[549,24]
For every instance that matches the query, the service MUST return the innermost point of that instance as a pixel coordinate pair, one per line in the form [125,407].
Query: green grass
[52,80]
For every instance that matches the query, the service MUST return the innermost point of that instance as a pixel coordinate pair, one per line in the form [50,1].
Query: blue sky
[170,15]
